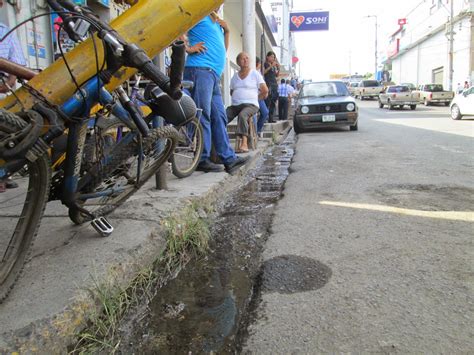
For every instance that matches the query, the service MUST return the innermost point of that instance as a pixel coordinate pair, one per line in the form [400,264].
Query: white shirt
[245,91]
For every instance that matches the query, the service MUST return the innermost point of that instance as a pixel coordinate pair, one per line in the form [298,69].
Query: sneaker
[236,164]
[209,167]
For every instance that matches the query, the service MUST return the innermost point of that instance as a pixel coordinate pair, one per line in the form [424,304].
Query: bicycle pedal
[102,226]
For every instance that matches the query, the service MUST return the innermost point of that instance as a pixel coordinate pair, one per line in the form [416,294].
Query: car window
[434,88]
[324,89]
[398,88]
[370,83]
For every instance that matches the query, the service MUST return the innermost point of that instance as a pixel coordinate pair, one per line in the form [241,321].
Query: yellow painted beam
[152,24]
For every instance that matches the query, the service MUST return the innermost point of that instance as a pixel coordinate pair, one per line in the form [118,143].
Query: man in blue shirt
[9,49]
[207,45]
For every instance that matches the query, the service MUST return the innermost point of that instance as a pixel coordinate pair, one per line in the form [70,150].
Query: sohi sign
[309,21]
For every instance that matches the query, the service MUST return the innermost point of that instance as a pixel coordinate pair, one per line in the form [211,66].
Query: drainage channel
[205,308]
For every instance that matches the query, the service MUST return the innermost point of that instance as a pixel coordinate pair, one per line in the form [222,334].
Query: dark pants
[271,101]
[283,108]
[243,111]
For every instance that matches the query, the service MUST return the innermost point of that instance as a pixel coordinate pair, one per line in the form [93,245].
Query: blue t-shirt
[212,35]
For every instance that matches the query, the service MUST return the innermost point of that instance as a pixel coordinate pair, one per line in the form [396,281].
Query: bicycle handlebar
[178,58]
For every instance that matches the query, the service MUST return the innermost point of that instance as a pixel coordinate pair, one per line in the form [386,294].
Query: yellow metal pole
[152,24]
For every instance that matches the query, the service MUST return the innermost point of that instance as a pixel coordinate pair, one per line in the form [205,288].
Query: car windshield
[398,89]
[370,83]
[324,89]
[434,88]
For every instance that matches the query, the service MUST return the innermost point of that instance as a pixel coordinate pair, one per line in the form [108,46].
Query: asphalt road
[372,244]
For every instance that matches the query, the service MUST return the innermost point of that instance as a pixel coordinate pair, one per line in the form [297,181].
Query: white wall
[417,65]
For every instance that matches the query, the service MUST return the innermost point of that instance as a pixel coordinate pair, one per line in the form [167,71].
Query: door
[438,75]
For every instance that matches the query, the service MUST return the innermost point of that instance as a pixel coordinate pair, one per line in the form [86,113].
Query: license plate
[329,118]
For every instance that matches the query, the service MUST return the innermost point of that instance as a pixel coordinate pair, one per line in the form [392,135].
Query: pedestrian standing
[9,49]
[283,100]
[207,47]
[263,117]
[271,70]
[466,85]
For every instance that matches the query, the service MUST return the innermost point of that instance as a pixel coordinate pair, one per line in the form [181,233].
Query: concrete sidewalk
[50,301]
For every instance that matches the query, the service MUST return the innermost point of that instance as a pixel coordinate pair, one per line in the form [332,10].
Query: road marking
[460,128]
[466,216]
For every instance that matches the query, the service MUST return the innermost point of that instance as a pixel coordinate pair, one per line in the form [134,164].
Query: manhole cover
[291,274]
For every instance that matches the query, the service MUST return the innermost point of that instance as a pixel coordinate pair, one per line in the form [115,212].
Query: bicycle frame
[152,24]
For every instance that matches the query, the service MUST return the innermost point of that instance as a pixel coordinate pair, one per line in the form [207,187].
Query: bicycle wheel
[21,210]
[119,179]
[188,151]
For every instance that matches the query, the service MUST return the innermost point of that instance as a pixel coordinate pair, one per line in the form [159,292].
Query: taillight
[394,96]
[363,90]
[431,95]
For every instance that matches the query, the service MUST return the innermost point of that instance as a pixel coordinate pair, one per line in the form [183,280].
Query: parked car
[434,93]
[352,87]
[368,88]
[409,85]
[325,103]
[463,104]
[398,95]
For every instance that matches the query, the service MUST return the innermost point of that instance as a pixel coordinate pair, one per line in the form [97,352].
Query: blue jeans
[207,95]
[263,115]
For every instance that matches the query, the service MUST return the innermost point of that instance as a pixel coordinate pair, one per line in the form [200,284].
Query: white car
[463,104]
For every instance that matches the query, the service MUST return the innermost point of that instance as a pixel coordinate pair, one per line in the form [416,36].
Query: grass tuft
[187,236]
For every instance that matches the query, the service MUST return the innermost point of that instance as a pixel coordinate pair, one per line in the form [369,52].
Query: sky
[349,45]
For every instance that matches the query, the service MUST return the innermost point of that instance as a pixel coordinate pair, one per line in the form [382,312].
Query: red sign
[295,60]
[402,21]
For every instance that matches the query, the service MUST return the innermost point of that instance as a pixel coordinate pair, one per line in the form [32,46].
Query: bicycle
[26,136]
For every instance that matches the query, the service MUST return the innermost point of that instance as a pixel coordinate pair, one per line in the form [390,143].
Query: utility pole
[451,47]
[376,44]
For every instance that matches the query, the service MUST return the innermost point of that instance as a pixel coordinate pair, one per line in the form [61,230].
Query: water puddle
[202,309]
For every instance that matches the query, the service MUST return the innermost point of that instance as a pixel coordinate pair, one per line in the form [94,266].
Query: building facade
[419,50]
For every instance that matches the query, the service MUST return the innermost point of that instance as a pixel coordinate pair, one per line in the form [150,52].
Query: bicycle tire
[189,148]
[18,246]
[119,157]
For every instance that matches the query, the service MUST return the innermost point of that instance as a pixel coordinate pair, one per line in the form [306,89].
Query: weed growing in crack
[187,236]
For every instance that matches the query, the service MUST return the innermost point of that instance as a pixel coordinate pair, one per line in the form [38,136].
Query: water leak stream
[205,307]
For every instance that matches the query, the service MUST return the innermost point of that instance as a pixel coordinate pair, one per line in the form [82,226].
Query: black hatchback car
[325,104]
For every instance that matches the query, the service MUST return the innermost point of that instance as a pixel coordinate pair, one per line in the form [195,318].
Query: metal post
[160,176]
[451,47]
[249,31]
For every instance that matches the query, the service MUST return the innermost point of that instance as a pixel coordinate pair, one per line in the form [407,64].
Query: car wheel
[390,106]
[412,107]
[380,104]
[427,103]
[362,98]
[446,104]
[455,112]
[354,127]
[297,127]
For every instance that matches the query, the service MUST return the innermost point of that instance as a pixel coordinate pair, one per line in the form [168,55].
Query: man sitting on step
[246,88]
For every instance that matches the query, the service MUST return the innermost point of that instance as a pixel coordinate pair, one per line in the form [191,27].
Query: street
[372,243]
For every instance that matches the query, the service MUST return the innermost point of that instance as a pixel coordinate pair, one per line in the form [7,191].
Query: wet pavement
[206,308]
